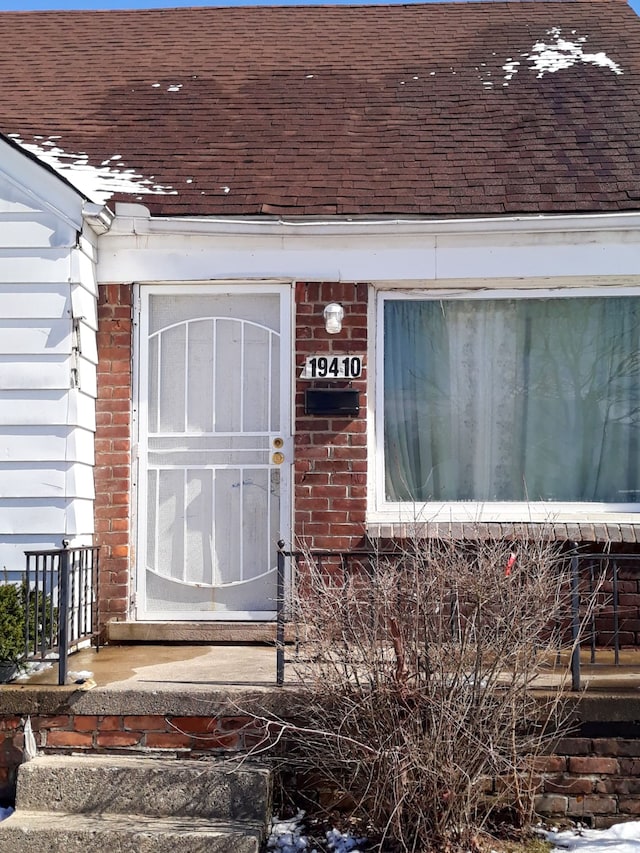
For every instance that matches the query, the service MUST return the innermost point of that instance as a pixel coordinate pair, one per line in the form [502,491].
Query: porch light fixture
[333,315]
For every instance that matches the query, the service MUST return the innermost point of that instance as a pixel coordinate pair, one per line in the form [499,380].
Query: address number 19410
[332,367]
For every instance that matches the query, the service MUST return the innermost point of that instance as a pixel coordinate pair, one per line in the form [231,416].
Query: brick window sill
[601,532]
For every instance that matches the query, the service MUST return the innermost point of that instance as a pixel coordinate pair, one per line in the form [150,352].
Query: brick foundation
[186,737]
[589,777]
[594,780]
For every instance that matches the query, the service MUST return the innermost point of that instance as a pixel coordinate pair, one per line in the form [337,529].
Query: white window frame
[383,511]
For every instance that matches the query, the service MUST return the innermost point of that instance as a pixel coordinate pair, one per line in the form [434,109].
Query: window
[507,398]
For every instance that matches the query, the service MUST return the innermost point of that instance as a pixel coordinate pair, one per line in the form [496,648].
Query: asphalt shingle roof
[363,110]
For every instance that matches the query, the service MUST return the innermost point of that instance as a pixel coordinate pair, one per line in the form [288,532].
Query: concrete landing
[177,679]
[149,679]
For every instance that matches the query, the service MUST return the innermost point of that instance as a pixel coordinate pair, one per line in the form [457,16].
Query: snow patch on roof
[99,183]
[552,54]
[547,58]
[511,68]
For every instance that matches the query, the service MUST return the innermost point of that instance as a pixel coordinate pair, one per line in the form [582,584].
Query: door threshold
[191,632]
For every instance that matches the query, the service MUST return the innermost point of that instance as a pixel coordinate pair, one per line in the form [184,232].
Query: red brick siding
[113,448]
[330,453]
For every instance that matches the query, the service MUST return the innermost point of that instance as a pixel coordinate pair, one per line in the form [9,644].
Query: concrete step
[195,632]
[156,787]
[57,832]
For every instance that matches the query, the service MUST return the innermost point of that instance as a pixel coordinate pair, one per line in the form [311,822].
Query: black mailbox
[339,402]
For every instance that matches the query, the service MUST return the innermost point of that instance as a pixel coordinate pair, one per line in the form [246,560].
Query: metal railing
[598,619]
[595,617]
[340,559]
[61,602]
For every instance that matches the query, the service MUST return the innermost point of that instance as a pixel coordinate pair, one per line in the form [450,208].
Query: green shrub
[12,639]
[43,621]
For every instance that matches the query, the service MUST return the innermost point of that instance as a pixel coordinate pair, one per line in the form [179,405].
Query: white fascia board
[137,219]
[46,189]
[250,257]
[145,249]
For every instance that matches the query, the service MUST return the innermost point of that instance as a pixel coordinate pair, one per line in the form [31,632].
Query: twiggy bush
[416,672]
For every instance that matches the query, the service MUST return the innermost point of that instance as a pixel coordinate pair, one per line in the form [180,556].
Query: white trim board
[165,250]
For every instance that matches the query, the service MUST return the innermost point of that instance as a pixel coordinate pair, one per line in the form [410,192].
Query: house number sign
[332,367]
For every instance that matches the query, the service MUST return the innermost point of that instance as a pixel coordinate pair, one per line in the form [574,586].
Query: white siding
[51,443]
[36,301]
[39,407]
[31,373]
[30,337]
[53,480]
[48,361]
[46,265]
[42,515]
[83,304]
[33,230]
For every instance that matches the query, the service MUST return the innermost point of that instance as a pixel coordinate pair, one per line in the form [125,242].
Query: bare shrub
[416,673]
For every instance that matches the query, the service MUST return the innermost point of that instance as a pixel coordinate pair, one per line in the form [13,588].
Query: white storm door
[214,450]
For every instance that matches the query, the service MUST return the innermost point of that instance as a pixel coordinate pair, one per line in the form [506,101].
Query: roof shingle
[452,109]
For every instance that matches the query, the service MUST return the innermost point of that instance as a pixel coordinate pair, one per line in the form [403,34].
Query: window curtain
[512,399]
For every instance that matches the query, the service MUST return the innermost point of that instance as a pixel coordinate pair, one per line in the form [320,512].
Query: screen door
[214,450]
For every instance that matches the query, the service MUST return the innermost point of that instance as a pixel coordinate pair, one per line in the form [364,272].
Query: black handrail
[61,602]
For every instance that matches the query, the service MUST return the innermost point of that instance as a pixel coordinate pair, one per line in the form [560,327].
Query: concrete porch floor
[161,667]
[152,678]
[148,679]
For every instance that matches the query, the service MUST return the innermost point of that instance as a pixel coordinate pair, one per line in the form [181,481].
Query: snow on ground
[29,668]
[287,836]
[622,838]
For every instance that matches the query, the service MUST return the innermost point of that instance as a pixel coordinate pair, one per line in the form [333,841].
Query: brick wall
[594,780]
[330,453]
[188,737]
[113,448]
